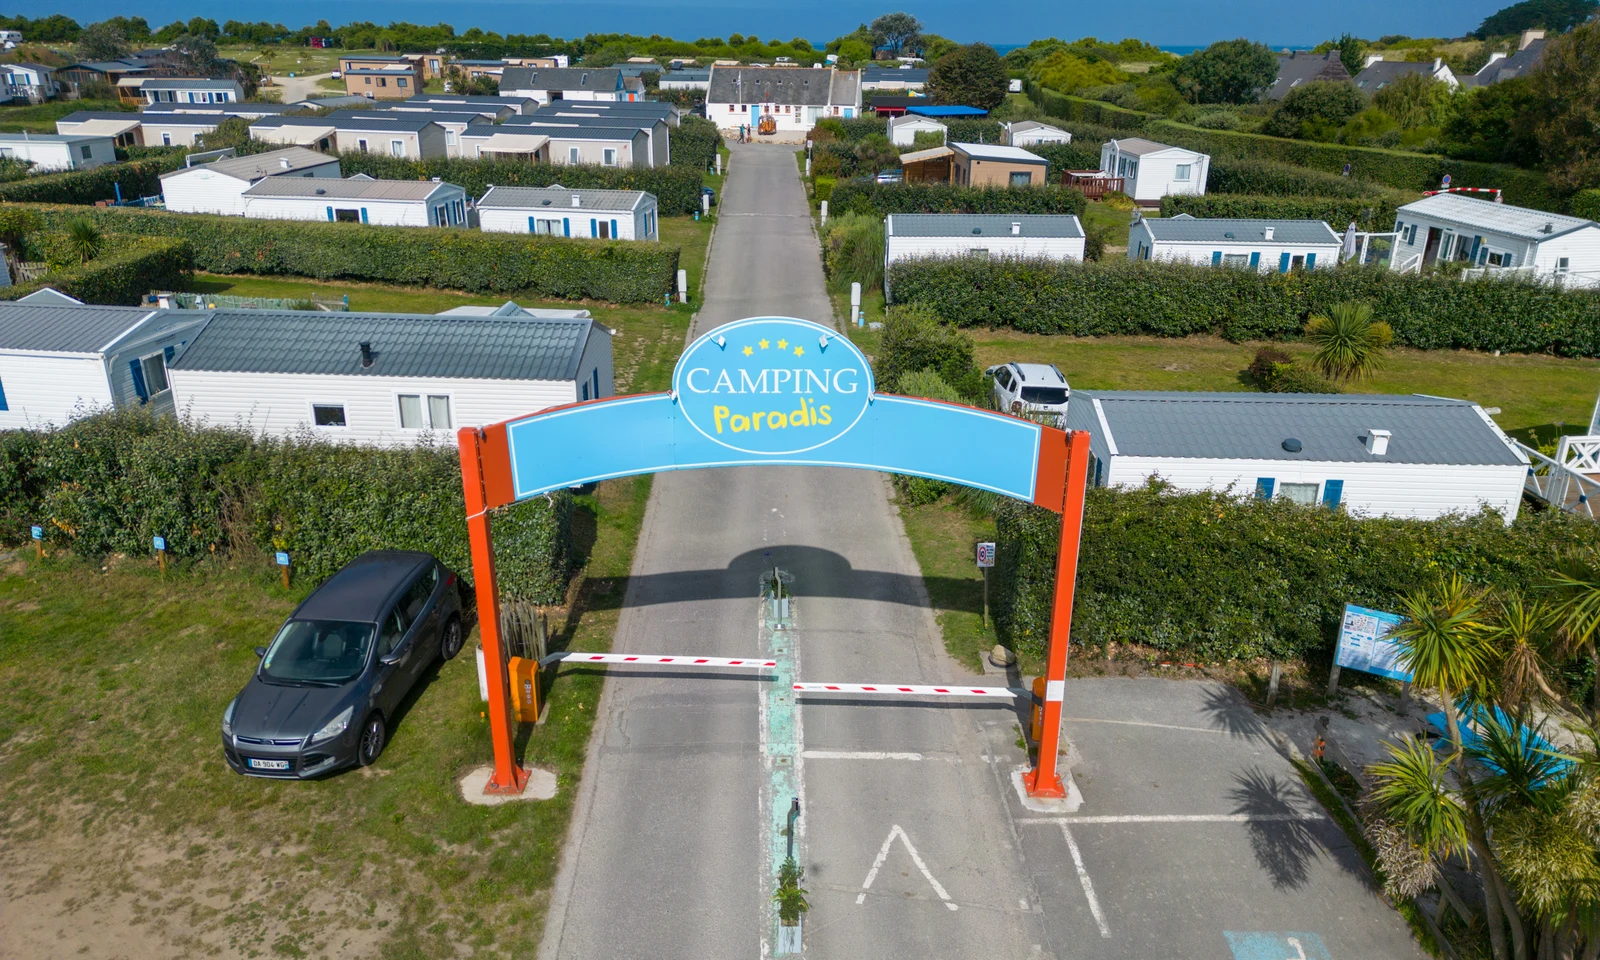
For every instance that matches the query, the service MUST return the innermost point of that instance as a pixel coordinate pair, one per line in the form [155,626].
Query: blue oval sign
[772,385]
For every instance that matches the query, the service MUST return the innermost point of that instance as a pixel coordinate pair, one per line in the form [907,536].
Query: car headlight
[334,727]
[227,718]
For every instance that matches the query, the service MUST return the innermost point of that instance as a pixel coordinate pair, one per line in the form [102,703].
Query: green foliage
[694,143]
[1586,204]
[823,186]
[1567,87]
[16,225]
[1367,213]
[1228,71]
[1081,154]
[1415,100]
[136,267]
[138,178]
[1177,300]
[896,31]
[876,153]
[1241,175]
[1276,372]
[882,199]
[676,187]
[1315,110]
[917,343]
[13,168]
[852,251]
[1494,124]
[791,897]
[1350,53]
[84,239]
[1349,342]
[971,76]
[616,271]
[1557,16]
[1066,73]
[108,483]
[915,491]
[1215,577]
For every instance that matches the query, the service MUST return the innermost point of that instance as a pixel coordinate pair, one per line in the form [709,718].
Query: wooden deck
[1090,183]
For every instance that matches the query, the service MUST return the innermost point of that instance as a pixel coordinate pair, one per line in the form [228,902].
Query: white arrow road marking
[883,854]
[1088,885]
[1298,949]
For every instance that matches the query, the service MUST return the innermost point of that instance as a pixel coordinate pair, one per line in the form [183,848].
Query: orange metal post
[509,776]
[1042,780]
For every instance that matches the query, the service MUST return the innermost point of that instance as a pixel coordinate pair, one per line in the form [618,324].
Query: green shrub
[1265,364]
[1586,204]
[694,143]
[1239,175]
[1076,155]
[917,343]
[1290,377]
[823,187]
[1212,577]
[615,271]
[136,267]
[1175,300]
[915,491]
[676,187]
[1368,213]
[882,199]
[137,178]
[852,251]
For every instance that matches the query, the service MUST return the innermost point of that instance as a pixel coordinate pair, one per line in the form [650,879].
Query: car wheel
[450,641]
[373,737]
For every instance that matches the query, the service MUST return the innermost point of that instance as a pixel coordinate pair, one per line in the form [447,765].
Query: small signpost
[160,546]
[38,542]
[985,561]
[283,562]
[1364,645]
[1445,184]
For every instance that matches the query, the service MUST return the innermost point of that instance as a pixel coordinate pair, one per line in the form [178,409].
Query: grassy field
[42,117]
[283,60]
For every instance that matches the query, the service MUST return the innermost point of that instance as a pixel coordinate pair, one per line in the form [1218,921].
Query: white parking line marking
[1185,818]
[883,854]
[860,755]
[1088,885]
[1141,723]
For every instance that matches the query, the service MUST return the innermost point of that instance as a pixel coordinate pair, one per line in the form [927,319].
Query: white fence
[1561,481]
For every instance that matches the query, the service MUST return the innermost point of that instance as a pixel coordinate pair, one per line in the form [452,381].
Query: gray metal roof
[466,98]
[409,121]
[1139,146]
[189,83]
[905,75]
[997,151]
[630,121]
[64,328]
[355,188]
[1300,67]
[557,132]
[408,116]
[50,137]
[556,78]
[799,86]
[556,196]
[253,167]
[1186,229]
[609,108]
[984,224]
[1381,73]
[1501,218]
[1506,68]
[79,116]
[403,345]
[1330,427]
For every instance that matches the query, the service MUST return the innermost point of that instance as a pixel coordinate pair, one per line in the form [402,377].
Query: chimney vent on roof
[366,353]
[1270,232]
[1377,442]
[1016,228]
[577,201]
[283,162]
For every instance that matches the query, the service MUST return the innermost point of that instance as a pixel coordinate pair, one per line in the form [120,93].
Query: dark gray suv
[331,681]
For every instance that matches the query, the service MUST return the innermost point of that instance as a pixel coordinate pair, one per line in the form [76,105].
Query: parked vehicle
[891,176]
[330,682]
[1030,388]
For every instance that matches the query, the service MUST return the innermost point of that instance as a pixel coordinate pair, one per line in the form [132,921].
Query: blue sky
[1164,22]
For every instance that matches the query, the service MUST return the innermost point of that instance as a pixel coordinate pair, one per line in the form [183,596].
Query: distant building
[894,78]
[1299,68]
[561,212]
[795,98]
[359,199]
[1262,246]
[32,82]
[1529,52]
[191,90]
[575,83]
[55,151]
[1031,133]
[1379,73]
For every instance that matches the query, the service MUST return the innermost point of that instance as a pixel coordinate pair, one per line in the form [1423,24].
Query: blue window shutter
[613,229]
[1255,260]
[594,228]
[566,226]
[1283,263]
[330,214]
[363,214]
[1476,242]
[530,225]
[1311,260]
[1264,488]
[1216,258]
[1332,493]
[167,353]
[3,397]
[138,380]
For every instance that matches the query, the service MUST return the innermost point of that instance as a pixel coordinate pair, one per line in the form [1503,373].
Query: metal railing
[1559,482]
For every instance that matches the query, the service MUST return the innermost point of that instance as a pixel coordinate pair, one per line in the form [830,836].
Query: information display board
[1364,643]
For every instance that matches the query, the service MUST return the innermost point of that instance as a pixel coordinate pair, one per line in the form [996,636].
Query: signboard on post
[1364,643]
[985,555]
[985,561]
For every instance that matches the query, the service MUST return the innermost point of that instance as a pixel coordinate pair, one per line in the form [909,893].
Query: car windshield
[1045,396]
[317,652]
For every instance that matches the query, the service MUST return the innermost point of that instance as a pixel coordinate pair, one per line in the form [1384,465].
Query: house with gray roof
[1300,67]
[686,78]
[561,212]
[125,129]
[60,359]
[1263,246]
[33,82]
[1530,50]
[795,98]
[219,186]
[359,199]
[386,379]
[1379,73]
[57,151]
[1148,171]
[1498,239]
[545,84]
[994,235]
[657,152]
[894,78]
[454,124]
[160,90]
[1415,457]
[606,146]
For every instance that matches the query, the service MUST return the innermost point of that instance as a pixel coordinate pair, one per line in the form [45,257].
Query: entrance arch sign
[769,391]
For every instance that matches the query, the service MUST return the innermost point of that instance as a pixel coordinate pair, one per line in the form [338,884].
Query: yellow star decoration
[799,351]
[763,344]
[748,351]
[783,344]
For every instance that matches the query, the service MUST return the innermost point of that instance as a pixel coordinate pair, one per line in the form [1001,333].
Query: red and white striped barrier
[911,690]
[642,660]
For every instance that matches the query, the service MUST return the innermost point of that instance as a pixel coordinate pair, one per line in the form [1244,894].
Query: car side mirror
[989,372]
[261,651]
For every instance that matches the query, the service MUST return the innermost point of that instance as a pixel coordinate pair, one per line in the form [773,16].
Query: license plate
[268,764]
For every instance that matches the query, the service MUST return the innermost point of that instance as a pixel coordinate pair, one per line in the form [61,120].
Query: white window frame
[1563,264]
[573,155]
[424,394]
[397,148]
[1182,172]
[311,410]
[160,357]
[608,156]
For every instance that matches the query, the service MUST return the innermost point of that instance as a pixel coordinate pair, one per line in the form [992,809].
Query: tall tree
[1228,71]
[102,41]
[972,76]
[1415,100]
[1568,83]
[197,55]
[1351,51]
[1557,16]
[895,31]
[1315,111]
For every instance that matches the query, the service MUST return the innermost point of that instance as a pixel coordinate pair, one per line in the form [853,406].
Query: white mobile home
[177,129]
[506,143]
[453,124]
[1381,455]
[124,129]
[164,90]
[398,134]
[33,82]
[62,359]
[545,84]
[55,151]
[314,132]
[1150,170]
[903,129]
[657,149]
[493,107]
[219,187]
[1499,237]
[360,199]
[1031,133]
[1034,235]
[1265,246]
[560,212]
[382,379]
[624,146]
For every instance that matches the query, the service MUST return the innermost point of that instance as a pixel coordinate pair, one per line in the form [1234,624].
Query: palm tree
[1349,343]
[1520,634]
[84,239]
[1576,581]
[1419,819]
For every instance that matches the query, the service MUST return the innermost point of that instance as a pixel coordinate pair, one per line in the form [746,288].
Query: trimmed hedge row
[616,271]
[109,482]
[1212,577]
[1120,296]
[961,129]
[137,178]
[1586,204]
[694,143]
[676,187]
[122,278]
[882,199]
[1236,175]
[1368,213]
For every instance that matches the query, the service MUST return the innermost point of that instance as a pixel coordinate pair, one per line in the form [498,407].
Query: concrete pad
[541,786]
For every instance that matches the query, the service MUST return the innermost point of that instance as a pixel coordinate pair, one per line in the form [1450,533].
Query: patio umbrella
[1350,240]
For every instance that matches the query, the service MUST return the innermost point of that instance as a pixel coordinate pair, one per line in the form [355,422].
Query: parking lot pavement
[1196,838]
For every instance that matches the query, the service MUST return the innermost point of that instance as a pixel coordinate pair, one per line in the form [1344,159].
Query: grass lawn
[943,536]
[42,117]
[282,60]
[1115,222]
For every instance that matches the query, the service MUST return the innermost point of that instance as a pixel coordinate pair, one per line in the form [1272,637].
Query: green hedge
[1076,155]
[108,483]
[1210,577]
[138,178]
[1586,204]
[1176,300]
[142,265]
[676,187]
[694,143]
[1238,175]
[1368,213]
[1087,111]
[615,271]
[868,196]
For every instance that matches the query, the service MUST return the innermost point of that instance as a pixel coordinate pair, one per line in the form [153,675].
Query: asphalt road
[914,843]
